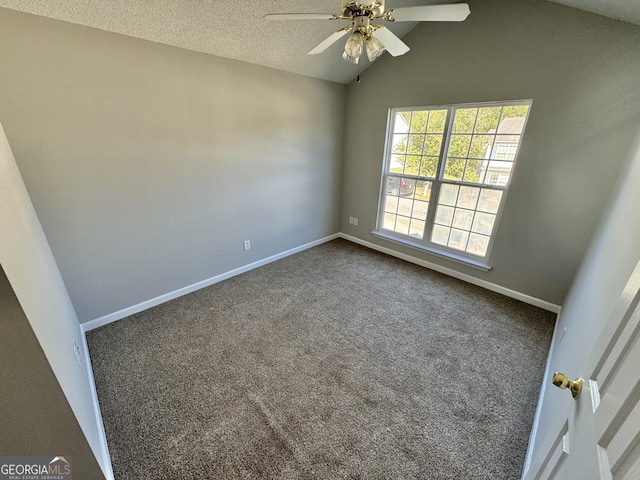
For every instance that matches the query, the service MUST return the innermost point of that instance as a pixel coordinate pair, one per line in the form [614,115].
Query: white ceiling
[236,29]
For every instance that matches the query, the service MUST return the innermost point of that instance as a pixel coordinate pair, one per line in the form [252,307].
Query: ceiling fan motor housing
[353,9]
[362,24]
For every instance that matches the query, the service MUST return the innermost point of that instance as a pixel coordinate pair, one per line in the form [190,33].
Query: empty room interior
[224,257]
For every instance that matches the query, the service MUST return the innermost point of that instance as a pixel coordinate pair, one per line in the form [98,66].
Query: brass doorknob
[560,380]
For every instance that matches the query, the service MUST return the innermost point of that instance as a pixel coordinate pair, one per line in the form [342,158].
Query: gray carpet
[337,362]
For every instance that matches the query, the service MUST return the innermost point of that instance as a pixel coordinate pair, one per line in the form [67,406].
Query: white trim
[104,448]
[434,251]
[545,381]
[460,276]
[125,312]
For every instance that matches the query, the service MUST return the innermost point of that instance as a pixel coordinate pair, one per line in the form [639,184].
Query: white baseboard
[107,468]
[125,312]
[112,317]
[460,276]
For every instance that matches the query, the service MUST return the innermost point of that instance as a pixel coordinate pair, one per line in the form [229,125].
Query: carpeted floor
[338,362]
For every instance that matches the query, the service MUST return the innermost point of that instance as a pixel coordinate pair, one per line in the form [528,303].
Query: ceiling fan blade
[299,16]
[392,44]
[330,40]
[455,12]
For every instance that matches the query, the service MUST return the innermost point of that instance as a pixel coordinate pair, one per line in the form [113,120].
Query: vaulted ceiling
[236,29]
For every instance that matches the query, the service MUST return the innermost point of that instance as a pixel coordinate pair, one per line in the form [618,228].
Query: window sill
[434,251]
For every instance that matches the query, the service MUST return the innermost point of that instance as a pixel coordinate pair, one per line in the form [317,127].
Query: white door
[598,434]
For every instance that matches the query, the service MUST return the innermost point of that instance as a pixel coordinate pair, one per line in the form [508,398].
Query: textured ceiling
[232,29]
[236,29]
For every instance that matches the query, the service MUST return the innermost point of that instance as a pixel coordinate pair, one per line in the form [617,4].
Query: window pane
[483,223]
[498,173]
[402,225]
[444,215]
[454,168]
[399,144]
[398,186]
[420,210]
[423,190]
[465,119]
[429,167]
[513,117]
[432,145]
[417,228]
[458,239]
[468,197]
[448,194]
[397,163]
[489,200]
[478,244]
[412,165]
[405,205]
[390,204]
[464,216]
[437,120]
[505,147]
[481,146]
[440,234]
[393,186]
[408,186]
[487,119]
[401,123]
[462,219]
[472,171]
[416,142]
[403,213]
[413,152]
[419,121]
[496,136]
[389,221]
[459,146]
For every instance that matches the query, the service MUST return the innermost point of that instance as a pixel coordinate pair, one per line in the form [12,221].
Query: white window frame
[480,262]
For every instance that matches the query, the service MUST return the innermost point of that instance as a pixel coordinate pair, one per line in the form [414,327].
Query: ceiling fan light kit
[375,48]
[354,47]
[375,39]
[361,39]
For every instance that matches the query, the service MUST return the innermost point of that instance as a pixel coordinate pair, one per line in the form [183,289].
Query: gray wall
[35,417]
[583,74]
[29,265]
[149,165]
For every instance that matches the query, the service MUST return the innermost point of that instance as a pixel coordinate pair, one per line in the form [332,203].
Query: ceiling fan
[375,39]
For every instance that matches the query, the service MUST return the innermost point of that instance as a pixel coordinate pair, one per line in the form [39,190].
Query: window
[446,174]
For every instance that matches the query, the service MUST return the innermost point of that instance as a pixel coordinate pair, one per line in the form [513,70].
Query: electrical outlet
[355,221]
[76,351]
[247,244]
